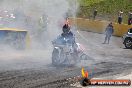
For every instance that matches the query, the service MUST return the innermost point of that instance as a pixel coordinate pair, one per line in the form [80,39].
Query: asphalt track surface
[33,69]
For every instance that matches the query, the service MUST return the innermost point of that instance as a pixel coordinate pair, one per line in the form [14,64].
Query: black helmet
[66,28]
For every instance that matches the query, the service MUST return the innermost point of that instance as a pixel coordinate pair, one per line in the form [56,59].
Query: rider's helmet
[66,28]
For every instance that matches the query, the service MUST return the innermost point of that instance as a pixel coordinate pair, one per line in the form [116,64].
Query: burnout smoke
[43,19]
[29,13]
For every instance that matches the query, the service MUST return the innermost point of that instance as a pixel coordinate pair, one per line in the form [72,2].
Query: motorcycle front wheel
[58,57]
[55,57]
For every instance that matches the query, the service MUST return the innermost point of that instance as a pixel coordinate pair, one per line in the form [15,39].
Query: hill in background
[107,9]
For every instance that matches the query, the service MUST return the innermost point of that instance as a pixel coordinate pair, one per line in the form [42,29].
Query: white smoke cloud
[55,10]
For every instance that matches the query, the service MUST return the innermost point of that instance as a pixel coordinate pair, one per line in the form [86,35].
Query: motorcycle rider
[68,34]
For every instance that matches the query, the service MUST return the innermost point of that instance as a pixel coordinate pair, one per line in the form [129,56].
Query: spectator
[130,17]
[108,32]
[95,13]
[120,13]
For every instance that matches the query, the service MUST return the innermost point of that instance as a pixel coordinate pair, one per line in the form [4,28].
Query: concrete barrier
[99,26]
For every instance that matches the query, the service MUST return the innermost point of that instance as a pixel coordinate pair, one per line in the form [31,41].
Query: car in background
[127,39]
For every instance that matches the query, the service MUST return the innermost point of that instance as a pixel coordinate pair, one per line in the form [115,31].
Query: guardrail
[99,26]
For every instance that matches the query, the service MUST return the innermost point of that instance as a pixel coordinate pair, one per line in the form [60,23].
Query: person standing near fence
[120,13]
[108,32]
[95,13]
[130,17]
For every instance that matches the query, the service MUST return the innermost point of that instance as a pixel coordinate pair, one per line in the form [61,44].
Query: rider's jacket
[67,34]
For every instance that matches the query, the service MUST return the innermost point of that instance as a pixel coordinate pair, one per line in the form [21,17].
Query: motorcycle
[67,52]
